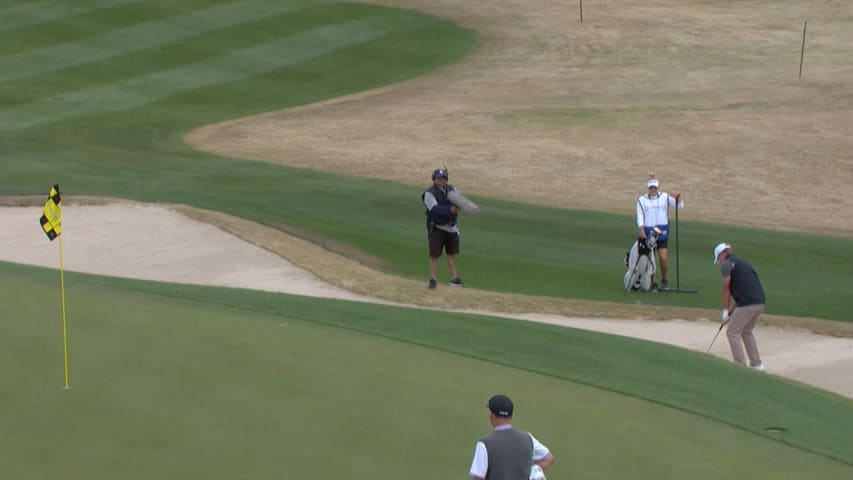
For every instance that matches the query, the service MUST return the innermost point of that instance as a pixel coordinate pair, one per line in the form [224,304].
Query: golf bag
[640,262]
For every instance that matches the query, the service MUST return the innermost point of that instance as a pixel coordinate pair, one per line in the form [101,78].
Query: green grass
[177,381]
[97,100]
[190,382]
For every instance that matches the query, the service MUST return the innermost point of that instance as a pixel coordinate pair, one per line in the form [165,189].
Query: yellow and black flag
[51,223]
[51,218]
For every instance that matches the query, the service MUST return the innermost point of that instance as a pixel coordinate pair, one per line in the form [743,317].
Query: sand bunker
[163,244]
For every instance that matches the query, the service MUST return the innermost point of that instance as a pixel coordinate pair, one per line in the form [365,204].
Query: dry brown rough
[556,112]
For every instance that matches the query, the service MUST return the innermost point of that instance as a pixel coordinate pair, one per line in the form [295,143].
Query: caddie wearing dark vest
[743,301]
[507,453]
[442,233]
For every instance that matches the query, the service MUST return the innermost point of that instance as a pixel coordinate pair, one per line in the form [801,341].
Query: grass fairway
[96,96]
[184,382]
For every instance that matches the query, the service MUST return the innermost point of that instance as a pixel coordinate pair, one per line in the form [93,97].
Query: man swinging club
[743,302]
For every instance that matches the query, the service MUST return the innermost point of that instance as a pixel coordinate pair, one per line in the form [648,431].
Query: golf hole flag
[51,224]
[51,218]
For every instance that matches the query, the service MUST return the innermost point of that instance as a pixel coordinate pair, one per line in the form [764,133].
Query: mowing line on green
[34,13]
[141,90]
[143,36]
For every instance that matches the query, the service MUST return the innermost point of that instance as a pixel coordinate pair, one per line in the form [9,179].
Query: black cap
[439,173]
[500,405]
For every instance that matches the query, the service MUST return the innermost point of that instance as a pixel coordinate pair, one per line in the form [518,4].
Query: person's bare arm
[545,462]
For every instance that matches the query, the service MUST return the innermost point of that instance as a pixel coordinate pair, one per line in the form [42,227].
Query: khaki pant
[740,335]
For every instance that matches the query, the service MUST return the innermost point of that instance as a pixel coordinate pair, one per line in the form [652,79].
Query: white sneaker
[759,367]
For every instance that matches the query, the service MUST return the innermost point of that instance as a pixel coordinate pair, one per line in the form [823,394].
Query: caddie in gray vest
[507,453]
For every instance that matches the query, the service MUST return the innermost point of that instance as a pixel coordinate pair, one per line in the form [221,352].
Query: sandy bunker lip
[104,242]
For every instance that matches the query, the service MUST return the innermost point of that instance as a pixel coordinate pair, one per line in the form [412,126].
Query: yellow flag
[51,218]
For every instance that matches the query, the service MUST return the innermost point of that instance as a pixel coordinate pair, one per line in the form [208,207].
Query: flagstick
[62,296]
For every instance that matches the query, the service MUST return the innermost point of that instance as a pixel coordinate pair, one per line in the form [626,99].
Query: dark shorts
[439,239]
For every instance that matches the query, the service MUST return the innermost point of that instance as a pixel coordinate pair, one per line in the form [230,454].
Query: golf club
[715,338]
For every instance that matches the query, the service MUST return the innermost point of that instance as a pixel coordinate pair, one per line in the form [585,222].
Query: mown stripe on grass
[238,65]
[28,14]
[147,35]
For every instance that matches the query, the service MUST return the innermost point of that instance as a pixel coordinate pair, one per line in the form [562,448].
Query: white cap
[719,249]
[653,182]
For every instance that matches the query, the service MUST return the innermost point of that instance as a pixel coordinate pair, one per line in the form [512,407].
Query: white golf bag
[640,262]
